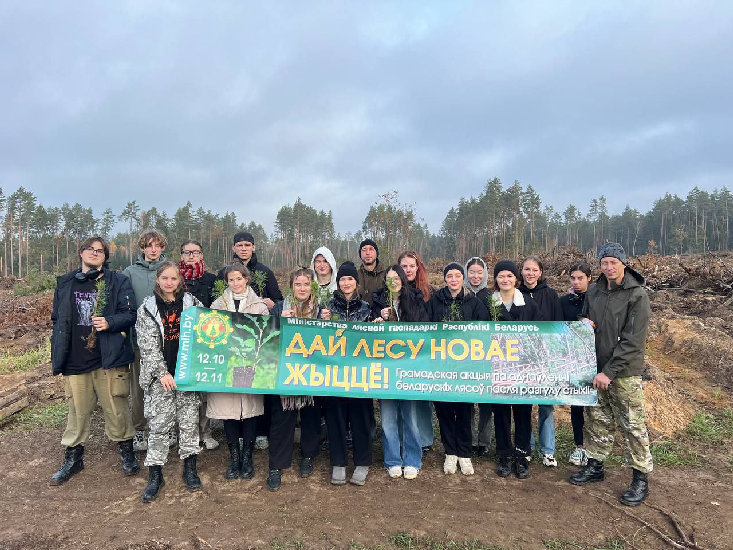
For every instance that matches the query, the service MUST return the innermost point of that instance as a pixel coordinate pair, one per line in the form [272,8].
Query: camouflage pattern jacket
[149,328]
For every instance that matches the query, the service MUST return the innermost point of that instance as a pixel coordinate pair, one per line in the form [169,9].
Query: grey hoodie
[484,281]
[326,253]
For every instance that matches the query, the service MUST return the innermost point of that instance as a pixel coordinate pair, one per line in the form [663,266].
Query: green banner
[481,361]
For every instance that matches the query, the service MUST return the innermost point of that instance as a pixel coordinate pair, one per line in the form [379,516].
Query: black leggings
[282,433]
[503,429]
[244,429]
[454,420]
[577,419]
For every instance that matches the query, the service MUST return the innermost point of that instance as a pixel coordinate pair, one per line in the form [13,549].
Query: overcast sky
[243,106]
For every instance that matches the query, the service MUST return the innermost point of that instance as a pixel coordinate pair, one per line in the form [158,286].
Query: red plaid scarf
[190,272]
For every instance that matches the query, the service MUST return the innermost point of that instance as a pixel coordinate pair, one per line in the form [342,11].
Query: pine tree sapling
[219,287]
[101,304]
[391,293]
[259,281]
[494,306]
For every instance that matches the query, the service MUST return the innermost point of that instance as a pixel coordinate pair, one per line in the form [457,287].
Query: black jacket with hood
[381,299]
[546,299]
[115,343]
[469,308]
[621,315]
[271,289]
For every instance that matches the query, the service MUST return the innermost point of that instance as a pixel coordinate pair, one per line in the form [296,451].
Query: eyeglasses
[94,250]
[191,253]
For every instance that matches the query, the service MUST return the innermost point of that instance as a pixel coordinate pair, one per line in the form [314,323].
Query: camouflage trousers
[163,409]
[620,406]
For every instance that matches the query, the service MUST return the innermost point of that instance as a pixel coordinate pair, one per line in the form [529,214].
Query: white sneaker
[549,461]
[395,471]
[449,466]
[579,457]
[261,442]
[466,466]
[210,443]
[411,472]
[139,441]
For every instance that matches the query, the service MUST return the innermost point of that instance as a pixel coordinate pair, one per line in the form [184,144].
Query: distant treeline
[504,220]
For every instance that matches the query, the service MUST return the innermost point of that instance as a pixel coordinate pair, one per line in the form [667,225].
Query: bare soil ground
[689,347]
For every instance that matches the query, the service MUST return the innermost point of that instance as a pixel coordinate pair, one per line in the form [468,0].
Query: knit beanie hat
[453,265]
[612,250]
[370,242]
[244,236]
[506,265]
[347,269]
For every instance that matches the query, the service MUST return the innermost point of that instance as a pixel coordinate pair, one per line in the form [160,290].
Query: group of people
[115,336]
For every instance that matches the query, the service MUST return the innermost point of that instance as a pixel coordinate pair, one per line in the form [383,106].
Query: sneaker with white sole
[549,461]
[261,442]
[395,471]
[210,443]
[449,466]
[466,466]
[579,457]
[411,472]
[139,441]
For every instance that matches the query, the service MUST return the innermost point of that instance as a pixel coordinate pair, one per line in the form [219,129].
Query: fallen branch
[677,526]
[662,535]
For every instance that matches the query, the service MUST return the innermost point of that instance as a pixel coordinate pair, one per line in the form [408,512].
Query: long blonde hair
[309,307]
[161,268]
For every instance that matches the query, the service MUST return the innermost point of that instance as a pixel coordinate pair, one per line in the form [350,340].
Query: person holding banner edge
[572,306]
[400,430]
[453,303]
[284,409]
[618,308]
[512,306]
[239,411]
[158,331]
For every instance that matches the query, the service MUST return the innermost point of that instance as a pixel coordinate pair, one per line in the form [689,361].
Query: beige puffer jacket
[236,406]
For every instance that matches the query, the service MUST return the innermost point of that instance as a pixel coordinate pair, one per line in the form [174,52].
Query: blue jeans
[424,412]
[400,433]
[546,425]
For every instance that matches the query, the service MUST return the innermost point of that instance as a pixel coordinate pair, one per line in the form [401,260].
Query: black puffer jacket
[201,288]
[546,299]
[381,297]
[572,306]
[621,315]
[469,308]
[355,309]
[271,289]
[115,343]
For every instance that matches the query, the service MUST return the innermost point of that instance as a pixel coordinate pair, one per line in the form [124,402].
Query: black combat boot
[247,469]
[593,471]
[193,483]
[129,462]
[73,464]
[235,460]
[637,491]
[274,480]
[155,482]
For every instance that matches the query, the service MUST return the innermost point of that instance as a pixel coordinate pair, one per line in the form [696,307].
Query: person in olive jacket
[618,308]
[454,303]
[92,350]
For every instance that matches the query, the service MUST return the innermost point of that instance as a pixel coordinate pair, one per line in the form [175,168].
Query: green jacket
[142,278]
[621,316]
[370,282]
